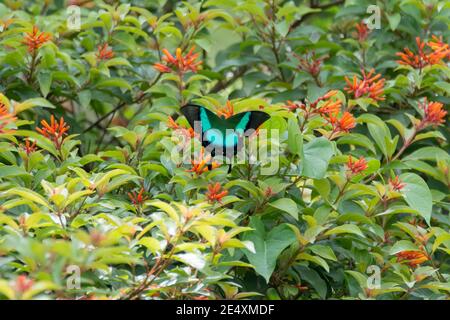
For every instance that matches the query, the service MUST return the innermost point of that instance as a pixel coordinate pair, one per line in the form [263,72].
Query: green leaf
[357,140]
[402,245]
[394,20]
[379,132]
[45,81]
[323,251]
[6,290]
[12,171]
[444,86]
[295,138]
[150,243]
[31,103]
[286,205]
[315,158]
[268,245]
[345,228]
[114,83]
[317,260]
[417,194]
[313,278]
[29,195]
[193,259]
[428,153]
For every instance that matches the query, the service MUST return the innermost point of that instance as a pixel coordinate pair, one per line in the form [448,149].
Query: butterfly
[223,136]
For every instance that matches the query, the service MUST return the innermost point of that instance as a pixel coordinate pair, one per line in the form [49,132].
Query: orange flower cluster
[54,131]
[396,184]
[343,124]
[434,114]
[215,192]
[326,96]
[104,52]
[35,39]
[6,118]
[179,63]
[29,147]
[438,51]
[189,133]
[358,166]
[309,63]
[137,198]
[292,106]
[439,45]
[330,108]
[202,164]
[227,111]
[412,257]
[362,31]
[370,85]
[23,284]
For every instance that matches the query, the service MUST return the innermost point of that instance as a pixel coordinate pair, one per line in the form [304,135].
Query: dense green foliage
[89,187]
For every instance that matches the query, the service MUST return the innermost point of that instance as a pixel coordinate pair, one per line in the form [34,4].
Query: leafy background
[359,190]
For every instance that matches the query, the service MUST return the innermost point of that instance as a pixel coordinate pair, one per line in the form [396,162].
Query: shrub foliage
[93,205]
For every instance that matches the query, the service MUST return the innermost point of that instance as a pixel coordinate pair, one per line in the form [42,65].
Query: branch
[314,5]
[121,105]
[220,85]
[328,5]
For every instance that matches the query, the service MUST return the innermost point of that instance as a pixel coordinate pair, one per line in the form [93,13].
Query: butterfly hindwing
[249,120]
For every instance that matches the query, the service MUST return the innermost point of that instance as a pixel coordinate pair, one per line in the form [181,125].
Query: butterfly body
[222,135]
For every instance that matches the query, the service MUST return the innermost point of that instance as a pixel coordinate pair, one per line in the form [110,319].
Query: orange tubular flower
[190,133]
[54,131]
[437,44]
[162,68]
[172,124]
[104,52]
[326,96]
[344,124]
[215,192]
[310,63]
[372,86]
[358,166]
[29,147]
[331,107]
[137,198]
[6,118]
[433,114]
[227,111]
[202,164]
[292,106]
[362,31]
[179,63]
[23,284]
[35,39]
[423,59]
[396,184]
[412,257]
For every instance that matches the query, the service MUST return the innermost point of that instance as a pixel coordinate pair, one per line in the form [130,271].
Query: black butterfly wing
[230,142]
[255,119]
[202,120]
